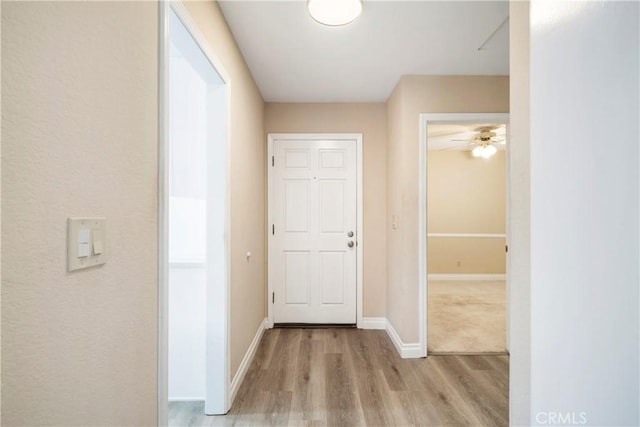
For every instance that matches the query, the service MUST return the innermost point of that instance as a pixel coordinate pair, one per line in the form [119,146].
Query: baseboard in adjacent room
[246,361]
[466,277]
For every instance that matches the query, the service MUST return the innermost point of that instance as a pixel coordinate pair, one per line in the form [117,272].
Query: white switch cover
[85,243]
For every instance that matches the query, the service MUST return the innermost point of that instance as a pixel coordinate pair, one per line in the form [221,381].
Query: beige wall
[466,255]
[79,104]
[248,148]
[370,120]
[466,195]
[414,95]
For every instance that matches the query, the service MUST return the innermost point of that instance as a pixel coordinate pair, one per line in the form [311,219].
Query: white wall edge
[246,361]
[181,11]
[406,350]
[373,323]
[467,277]
[163,214]
[423,250]
[165,7]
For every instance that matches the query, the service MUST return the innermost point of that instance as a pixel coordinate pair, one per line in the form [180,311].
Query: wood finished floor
[351,377]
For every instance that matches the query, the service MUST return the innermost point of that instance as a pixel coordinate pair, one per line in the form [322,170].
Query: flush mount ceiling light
[334,12]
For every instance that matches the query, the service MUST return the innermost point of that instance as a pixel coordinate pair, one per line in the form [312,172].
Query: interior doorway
[466,238]
[194,204]
[464,233]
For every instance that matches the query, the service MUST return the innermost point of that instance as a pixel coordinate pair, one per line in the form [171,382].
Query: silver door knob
[350,234]
[350,244]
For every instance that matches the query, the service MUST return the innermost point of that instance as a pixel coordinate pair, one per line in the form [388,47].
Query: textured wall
[248,182]
[371,121]
[414,95]
[79,127]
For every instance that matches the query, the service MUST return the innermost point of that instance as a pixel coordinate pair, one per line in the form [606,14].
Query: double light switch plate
[85,242]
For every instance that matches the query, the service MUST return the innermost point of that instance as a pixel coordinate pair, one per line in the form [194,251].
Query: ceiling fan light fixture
[485,151]
[489,151]
[334,12]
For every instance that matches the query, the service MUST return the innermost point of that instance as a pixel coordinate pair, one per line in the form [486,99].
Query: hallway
[316,377]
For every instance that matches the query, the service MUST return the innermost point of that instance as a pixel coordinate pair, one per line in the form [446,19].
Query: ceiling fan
[485,141]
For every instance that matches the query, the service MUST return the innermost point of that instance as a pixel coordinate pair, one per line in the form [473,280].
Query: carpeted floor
[466,317]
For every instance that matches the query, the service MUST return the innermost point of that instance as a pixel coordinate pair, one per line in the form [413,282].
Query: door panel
[332,274]
[297,277]
[332,206]
[312,267]
[331,159]
[296,205]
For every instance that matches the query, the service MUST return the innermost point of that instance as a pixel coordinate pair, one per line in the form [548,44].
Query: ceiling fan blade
[442,133]
[451,146]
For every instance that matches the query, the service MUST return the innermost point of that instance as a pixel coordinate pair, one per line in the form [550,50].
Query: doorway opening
[464,233]
[194,218]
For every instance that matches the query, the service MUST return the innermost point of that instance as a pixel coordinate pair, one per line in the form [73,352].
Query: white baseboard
[467,277]
[406,350]
[246,361]
[373,323]
[186,399]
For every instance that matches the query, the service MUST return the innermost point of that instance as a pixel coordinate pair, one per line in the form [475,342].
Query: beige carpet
[466,317]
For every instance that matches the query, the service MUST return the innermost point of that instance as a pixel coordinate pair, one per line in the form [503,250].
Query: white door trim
[355,137]
[425,120]
[164,9]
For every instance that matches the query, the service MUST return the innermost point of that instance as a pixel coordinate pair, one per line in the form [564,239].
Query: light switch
[97,242]
[85,243]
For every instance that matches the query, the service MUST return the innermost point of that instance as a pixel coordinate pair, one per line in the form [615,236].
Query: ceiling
[459,137]
[295,59]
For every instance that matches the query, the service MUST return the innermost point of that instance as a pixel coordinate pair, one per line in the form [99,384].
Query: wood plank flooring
[351,377]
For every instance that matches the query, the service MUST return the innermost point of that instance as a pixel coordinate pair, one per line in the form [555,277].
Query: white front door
[313,237]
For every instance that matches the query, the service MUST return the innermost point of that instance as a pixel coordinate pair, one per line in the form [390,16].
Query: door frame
[222,334]
[443,118]
[355,138]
